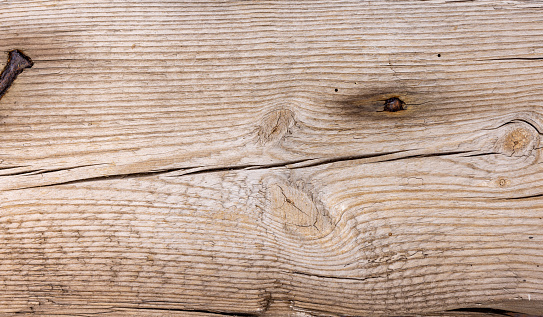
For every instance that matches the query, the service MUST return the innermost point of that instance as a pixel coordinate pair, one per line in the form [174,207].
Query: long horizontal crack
[493,311]
[202,170]
[289,164]
[107,177]
[203,311]
[190,171]
[45,171]
[522,197]
[12,167]
[306,163]
[425,155]
[483,154]
[316,162]
[513,59]
[333,277]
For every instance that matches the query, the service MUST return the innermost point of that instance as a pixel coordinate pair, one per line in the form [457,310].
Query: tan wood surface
[224,158]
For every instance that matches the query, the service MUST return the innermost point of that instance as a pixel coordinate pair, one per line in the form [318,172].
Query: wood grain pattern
[233,158]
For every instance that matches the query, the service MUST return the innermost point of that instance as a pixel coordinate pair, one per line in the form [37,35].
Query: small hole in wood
[336,90]
[438,55]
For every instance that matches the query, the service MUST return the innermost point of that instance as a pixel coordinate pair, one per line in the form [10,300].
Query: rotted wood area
[272,158]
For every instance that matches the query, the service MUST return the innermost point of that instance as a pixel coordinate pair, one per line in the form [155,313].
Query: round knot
[518,139]
[275,125]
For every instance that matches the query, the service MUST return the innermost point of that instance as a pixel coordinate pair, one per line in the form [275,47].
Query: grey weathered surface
[205,158]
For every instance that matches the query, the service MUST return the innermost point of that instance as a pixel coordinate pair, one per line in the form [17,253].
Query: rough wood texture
[232,158]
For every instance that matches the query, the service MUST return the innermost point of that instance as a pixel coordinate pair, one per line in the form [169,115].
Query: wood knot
[394,104]
[275,125]
[503,182]
[519,139]
[298,212]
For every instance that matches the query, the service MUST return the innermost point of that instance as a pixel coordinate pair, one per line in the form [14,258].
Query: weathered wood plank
[233,158]
[235,240]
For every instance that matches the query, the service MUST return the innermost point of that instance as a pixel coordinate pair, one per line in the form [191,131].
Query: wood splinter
[17,62]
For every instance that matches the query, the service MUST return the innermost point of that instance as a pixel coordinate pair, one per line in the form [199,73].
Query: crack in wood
[203,311]
[106,177]
[317,162]
[45,171]
[298,164]
[534,126]
[513,59]
[482,154]
[522,197]
[493,311]
[425,155]
[335,277]
[12,167]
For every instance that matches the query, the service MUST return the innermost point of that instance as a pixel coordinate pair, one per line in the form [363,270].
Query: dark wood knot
[394,104]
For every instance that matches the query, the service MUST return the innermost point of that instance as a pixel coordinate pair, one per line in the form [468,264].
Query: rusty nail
[17,62]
